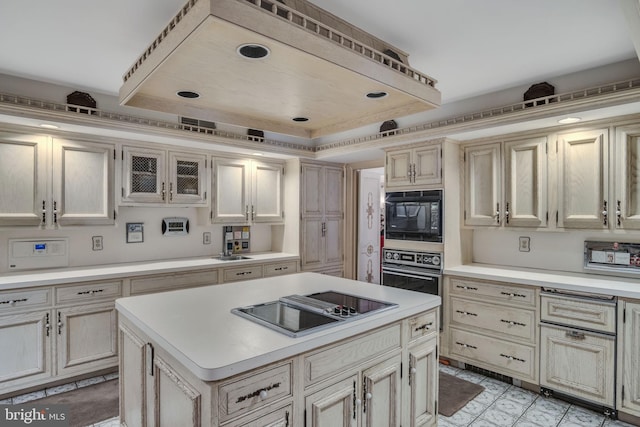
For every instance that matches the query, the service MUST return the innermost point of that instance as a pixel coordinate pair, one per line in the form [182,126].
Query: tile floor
[505,405]
[500,404]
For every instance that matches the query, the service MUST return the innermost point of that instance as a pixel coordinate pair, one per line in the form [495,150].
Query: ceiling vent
[311,64]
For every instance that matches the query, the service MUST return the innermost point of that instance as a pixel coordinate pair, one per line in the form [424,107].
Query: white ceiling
[471,47]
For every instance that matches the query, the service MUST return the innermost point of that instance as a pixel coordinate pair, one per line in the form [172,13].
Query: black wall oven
[414,271]
[414,215]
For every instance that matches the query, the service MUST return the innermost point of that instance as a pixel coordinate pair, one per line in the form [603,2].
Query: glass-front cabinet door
[187,178]
[143,179]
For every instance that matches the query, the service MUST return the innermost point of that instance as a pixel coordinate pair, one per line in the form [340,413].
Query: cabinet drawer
[88,292]
[512,322]
[281,268]
[24,299]
[242,273]
[494,292]
[582,313]
[254,390]
[337,358]
[166,282]
[504,357]
[423,325]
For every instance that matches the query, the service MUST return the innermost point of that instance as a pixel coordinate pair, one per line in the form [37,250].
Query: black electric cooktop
[298,315]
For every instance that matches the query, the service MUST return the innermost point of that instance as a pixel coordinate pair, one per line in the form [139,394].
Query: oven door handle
[403,273]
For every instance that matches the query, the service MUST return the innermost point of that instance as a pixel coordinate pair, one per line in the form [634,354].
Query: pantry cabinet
[50,182]
[152,176]
[414,167]
[583,197]
[322,217]
[628,394]
[247,191]
[521,201]
[627,184]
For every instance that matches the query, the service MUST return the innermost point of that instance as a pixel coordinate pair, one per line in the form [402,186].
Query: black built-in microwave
[413,215]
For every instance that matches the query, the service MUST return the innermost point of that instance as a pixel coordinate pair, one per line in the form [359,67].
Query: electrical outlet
[524,244]
[206,238]
[97,243]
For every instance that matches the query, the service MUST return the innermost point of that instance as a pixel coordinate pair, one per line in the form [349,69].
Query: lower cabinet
[629,357]
[354,382]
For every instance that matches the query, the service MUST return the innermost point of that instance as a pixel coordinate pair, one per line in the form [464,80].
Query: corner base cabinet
[357,381]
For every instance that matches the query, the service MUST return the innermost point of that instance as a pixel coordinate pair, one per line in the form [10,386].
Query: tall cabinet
[322,218]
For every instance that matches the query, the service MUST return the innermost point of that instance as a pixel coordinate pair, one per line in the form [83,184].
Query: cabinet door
[333,191]
[87,338]
[187,179]
[176,403]
[578,363]
[332,406]
[629,400]
[133,379]
[427,165]
[278,418]
[423,384]
[312,242]
[23,173]
[525,164]
[231,188]
[28,337]
[398,168]
[627,163]
[332,236]
[143,178]
[313,187]
[83,178]
[266,189]
[482,185]
[582,179]
[381,394]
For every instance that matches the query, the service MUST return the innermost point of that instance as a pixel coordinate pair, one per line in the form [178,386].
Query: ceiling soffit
[312,71]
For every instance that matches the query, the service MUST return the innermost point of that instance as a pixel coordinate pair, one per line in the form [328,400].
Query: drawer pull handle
[463,345]
[466,313]
[426,326]
[575,334]
[14,301]
[506,356]
[261,393]
[91,292]
[467,288]
[513,294]
[47,325]
[242,273]
[512,323]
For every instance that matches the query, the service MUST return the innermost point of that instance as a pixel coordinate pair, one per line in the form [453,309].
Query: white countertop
[56,276]
[197,327]
[593,283]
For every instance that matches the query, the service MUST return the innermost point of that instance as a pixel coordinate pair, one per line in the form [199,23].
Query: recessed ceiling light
[253,51]
[300,119]
[568,120]
[48,126]
[188,94]
[377,95]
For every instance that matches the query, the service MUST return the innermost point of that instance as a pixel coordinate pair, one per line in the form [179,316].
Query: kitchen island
[185,359]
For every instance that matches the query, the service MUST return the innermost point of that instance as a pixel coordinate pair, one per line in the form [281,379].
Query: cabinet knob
[413,371]
[263,394]
[358,402]
[368,396]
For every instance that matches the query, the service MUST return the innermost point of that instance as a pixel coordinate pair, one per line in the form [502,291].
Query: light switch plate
[206,238]
[524,244]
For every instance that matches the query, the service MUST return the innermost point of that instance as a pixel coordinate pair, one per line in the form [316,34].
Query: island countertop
[196,325]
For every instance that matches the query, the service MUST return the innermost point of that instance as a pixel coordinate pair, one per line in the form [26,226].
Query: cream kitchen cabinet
[628,394]
[414,167]
[247,191]
[493,326]
[521,201]
[58,332]
[583,184]
[163,177]
[627,185]
[322,217]
[52,182]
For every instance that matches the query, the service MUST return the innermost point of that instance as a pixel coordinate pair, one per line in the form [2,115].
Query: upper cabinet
[51,182]
[414,167]
[583,199]
[522,164]
[247,191]
[163,177]
[627,184]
